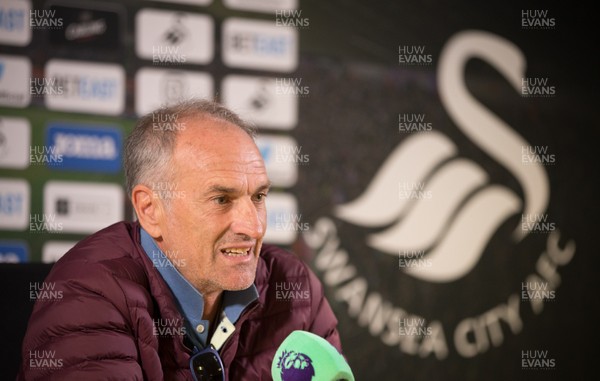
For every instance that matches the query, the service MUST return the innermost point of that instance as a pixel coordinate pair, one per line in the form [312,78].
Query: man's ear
[149,209]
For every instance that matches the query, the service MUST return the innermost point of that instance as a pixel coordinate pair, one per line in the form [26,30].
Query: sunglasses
[206,365]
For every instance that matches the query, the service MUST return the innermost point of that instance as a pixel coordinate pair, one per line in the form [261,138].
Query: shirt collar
[190,301]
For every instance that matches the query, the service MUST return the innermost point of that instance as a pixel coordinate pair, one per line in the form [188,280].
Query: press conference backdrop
[432,163]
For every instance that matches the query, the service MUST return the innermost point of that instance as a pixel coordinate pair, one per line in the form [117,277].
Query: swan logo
[453,226]
[447,210]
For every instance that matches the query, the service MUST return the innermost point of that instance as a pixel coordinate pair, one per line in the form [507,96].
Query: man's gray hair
[149,147]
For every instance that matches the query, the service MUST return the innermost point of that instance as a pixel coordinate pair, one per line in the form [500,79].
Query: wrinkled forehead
[214,145]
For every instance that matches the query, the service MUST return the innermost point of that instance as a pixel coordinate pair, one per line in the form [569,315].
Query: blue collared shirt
[189,300]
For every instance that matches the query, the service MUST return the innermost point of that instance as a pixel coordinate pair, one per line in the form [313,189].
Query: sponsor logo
[168,37]
[159,87]
[14,22]
[256,100]
[86,87]
[87,27]
[253,44]
[274,150]
[83,207]
[14,204]
[283,219]
[15,138]
[52,251]
[13,251]
[15,73]
[451,229]
[267,6]
[85,148]
[295,366]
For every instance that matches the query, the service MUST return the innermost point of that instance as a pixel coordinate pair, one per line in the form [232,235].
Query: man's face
[215,221]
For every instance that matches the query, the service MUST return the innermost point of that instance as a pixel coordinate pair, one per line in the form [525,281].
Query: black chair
[15,281]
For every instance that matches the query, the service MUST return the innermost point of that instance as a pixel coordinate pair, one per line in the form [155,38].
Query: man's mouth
[236,251]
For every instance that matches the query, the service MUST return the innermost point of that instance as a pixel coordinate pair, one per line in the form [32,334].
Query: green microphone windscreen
[304,356]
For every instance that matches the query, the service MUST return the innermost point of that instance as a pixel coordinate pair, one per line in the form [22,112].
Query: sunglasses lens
[207,367]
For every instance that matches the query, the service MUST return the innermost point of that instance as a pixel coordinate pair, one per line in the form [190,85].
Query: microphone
[304,356]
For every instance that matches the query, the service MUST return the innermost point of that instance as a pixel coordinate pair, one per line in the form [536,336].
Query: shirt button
[200,328]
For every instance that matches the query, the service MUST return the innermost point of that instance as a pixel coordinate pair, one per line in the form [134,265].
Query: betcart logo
[14,22]
[86,87]
[445,234]
[253,44]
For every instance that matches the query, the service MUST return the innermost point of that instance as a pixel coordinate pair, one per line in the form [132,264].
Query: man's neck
[212,304]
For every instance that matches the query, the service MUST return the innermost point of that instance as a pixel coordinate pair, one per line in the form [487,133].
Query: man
[139,300]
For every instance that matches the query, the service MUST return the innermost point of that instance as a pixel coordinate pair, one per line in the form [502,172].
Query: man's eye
[222,200]
[260,196]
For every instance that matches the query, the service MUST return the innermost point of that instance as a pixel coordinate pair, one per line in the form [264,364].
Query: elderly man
[189,288]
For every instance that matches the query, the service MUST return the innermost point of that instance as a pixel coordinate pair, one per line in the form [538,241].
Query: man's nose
[247,219]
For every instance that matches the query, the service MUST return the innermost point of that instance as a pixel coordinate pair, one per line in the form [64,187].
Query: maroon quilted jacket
[101,327]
